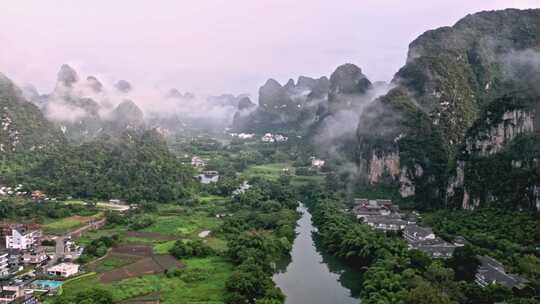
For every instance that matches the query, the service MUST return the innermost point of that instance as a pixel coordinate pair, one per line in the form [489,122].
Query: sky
[217,46]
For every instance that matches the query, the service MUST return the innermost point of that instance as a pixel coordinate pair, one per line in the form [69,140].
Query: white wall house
[22,239]
[64,270]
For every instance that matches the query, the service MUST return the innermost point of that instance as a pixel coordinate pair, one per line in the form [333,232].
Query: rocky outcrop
[127,115]
[67,76]
[381,164]
[346,83]
[274,98]
[457,76]
[245,104]
[492,140]
[94,84]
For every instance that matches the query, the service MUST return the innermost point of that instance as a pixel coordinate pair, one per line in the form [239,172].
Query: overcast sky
[217,46]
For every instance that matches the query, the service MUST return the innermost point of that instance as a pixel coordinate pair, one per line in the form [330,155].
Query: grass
[110,262]
[270,171]
[64,225]
[172,290]
[185,225]
[163,247]
[274,170]
[88,236]
[210,198]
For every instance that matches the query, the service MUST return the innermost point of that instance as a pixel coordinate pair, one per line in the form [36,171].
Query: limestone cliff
[459,103]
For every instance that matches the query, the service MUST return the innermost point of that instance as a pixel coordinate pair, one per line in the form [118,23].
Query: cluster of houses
[271,138]
[385,216]
[26,255]
[18,190]
[243,135]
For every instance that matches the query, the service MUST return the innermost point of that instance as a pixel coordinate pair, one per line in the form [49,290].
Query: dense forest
[133,167]
[394,274]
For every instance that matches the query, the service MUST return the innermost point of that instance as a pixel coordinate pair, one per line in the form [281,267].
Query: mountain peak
[123,86]
[347,79]
[67,75]
[94,84]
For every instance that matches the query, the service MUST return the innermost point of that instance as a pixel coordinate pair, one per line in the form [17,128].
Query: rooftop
[493,271]
[63,267]
[415,229]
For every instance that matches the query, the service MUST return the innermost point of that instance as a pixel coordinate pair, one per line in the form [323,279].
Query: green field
[108,263]
[273,171]
[270,171]
[173,220]
[64,225]
[209,289]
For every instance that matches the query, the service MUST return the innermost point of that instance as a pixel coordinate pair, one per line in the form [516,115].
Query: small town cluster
[31,262]
[383,215]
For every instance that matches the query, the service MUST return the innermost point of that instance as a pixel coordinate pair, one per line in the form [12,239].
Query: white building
[197,162]
[270,138]
[4,263]
[22,239]
[208,177]
[317,163]
[64,270]
[246,135]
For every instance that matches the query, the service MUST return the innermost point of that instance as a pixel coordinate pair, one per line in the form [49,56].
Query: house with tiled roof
[492,271]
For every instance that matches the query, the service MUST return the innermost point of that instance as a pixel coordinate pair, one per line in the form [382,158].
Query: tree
[464,263]
[250,282]
[425,293]
[196,248]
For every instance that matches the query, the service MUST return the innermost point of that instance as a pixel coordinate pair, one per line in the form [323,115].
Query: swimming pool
[47,284]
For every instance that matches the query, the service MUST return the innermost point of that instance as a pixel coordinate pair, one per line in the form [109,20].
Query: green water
[313,277]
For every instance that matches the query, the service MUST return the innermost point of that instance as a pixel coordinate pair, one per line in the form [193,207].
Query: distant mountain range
[457,126]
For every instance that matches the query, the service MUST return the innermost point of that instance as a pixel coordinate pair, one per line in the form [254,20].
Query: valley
[330,189]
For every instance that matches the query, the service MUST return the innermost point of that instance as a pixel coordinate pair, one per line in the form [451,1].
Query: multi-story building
[22,239]
[4,263]
[36,255]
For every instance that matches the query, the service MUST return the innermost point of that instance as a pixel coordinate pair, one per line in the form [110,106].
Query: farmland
[136,268]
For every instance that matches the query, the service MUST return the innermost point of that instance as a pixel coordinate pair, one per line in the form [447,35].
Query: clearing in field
[209,288]
[269,171]
[64,225]
[144,262]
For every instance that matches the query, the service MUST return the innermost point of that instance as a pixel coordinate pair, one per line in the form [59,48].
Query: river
[312,277]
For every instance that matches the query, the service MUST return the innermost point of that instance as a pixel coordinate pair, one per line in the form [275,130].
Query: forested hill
[464,106]
[23,126]
[135,166]
[25,134]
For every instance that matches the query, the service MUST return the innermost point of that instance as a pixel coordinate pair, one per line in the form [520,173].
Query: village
[33,263]
[383,215]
